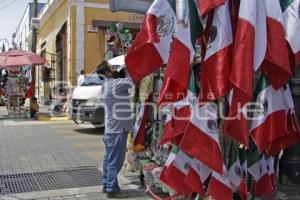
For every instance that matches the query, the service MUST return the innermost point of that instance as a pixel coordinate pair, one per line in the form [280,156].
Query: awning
[136,6]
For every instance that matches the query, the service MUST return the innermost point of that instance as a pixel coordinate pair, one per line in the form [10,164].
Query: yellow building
[72,37]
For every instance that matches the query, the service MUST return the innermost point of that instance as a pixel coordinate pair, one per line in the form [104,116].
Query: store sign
[136,6]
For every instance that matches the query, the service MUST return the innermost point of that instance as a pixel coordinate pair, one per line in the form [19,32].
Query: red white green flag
[150,49]
[257,167]
[269,118]
[292,133]
[276,64]
[235,171]
[219,186]
[201,137]
[208,5]
[271,170]
[178,114]
[197,175]
[178,168]
[291,19]
[188,29]
[217,62]
[243,189]
[249,52]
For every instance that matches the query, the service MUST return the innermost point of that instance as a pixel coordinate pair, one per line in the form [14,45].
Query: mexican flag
[249,52]
[257,167]
[217,62]
[187,31]
[140,126]
[291,21]
[271,170]
[208,5]
[178,168]
[292,133]
[150,49]
[197,175]
[179,114]
[269,118]
[276,64]
[235,171]
[201,137]
[219,187]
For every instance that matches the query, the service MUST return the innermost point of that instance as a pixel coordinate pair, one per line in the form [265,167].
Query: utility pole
[34,43]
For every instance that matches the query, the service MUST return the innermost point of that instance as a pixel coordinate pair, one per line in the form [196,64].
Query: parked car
[86,102]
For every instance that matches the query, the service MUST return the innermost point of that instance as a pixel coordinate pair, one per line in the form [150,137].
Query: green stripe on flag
[195,23]
[253,157]
[262,84]
[175,149]
[242,155]
[285,4]
[232,154]
[173,4]
[193,87]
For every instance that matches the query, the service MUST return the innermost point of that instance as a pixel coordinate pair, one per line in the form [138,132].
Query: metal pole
[34,43]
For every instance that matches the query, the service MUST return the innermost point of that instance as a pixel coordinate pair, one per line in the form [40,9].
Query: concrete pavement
[35,146]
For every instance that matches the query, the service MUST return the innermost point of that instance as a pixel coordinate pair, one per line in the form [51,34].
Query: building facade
[23,34]
[72,37]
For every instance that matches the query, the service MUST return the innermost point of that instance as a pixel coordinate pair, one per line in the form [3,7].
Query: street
[38,146]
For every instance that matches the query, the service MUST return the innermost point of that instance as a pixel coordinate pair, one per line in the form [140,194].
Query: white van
[86,102]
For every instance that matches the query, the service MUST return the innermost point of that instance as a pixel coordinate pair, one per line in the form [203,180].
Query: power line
[12,2]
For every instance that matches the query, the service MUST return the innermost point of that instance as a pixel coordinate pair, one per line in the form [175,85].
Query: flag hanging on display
[140,126]
[219,186]
[197,175]
[150,49]
[269,118]
[257,167]
[201,137]
[187,31]
[292,133]
[249,52]
[235,171]
[178,168]
[271,170]
[179,113]
[276,64]
[208,5]
[291,21]
[217,63]
[243,189]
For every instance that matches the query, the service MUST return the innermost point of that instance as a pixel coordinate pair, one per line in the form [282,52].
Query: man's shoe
[116,195]
[104,189]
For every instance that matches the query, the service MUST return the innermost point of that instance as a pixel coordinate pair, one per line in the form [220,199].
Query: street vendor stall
[19,82]
[215,132]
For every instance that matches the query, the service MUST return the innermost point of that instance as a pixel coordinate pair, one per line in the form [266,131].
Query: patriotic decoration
[154,39]
[249,50]
[188,29]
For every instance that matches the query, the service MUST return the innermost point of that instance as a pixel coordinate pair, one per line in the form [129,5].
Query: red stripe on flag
[139,63]
[207,5]
[202,147]
[177,74]
[277,59]
[218,190]
[168,177]
[215,75]
[273,127]
[193,181]
[263,186]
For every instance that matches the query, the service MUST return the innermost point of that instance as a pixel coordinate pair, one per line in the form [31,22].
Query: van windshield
[93,80]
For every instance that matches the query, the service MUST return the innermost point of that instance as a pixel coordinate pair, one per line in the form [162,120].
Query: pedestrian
[81,78]
[118,122]
[34,108]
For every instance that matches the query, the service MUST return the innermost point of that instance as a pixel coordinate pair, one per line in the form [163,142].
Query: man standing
[81,78]
[118,122]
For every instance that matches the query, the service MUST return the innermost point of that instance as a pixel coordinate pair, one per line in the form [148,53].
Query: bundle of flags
[250,49]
